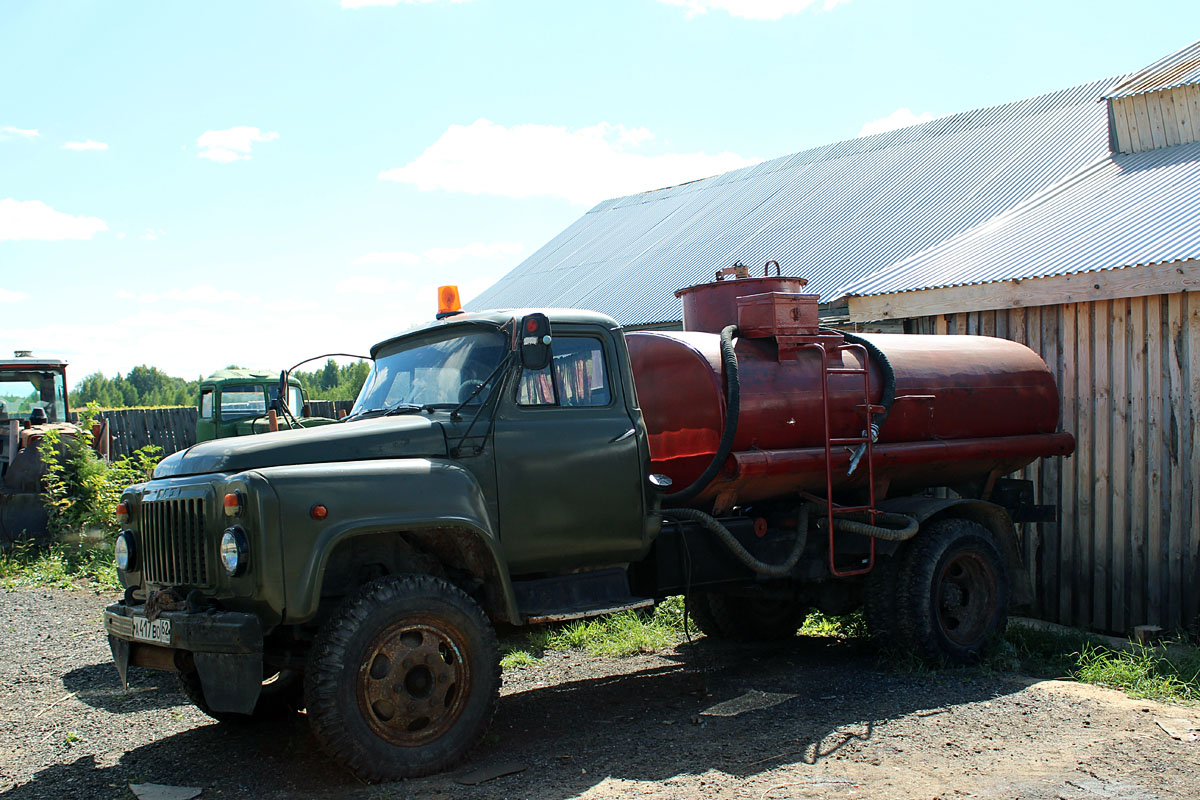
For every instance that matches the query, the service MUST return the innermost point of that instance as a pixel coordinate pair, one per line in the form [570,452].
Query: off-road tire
[953,596]
[385,717]
[745,619]
[282,694]
[879,603]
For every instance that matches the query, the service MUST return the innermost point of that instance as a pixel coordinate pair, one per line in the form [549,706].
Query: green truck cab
[236,402]
[494,471]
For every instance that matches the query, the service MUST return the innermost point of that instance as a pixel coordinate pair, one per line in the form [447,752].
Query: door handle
[623,436]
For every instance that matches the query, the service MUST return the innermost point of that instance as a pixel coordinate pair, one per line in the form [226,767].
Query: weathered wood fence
[174,428]
[329,408]
[1126,548]
[133,428]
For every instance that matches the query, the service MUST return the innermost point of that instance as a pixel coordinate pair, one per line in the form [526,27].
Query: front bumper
[224,647]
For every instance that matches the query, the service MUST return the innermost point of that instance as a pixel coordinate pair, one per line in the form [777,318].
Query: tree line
[149,386]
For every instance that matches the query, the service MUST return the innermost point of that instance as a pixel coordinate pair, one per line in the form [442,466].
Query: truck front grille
[174,547]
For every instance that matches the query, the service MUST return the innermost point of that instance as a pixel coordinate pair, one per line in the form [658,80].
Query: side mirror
[533,340]
[281,399]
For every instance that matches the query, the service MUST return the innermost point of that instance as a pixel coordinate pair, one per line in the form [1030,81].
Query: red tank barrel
[965,407]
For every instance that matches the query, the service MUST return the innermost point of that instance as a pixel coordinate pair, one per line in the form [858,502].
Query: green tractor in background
[238,402]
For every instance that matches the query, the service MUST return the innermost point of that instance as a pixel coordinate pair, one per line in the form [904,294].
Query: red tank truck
[528,467]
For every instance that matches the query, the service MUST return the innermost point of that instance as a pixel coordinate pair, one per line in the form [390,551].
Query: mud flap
[231,681]
[120,654]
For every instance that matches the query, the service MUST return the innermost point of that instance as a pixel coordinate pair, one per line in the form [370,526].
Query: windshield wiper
[405,408]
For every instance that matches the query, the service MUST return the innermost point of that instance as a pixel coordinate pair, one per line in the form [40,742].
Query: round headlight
[234,551]
[125,551]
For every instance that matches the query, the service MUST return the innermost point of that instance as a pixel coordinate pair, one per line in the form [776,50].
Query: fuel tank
[966,408]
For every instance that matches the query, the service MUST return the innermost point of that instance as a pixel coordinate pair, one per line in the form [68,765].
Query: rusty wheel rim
[412,682]
[966,595]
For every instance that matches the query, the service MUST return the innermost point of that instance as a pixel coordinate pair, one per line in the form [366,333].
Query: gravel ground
[829,724]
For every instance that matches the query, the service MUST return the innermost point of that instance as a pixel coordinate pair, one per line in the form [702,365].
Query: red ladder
[865,440]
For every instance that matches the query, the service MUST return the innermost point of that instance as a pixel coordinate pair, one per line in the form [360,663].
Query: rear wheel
[745,619]
[953,592]
[879,603]
[282,694]
[403,679]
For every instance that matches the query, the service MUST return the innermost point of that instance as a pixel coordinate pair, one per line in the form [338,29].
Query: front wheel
[282,694]
[953,592]
[403,679]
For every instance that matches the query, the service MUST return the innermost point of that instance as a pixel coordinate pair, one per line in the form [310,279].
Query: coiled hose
[733,406]
[907,529]
[713,525]
[743,555]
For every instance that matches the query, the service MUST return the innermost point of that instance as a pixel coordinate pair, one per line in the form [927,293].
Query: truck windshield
[21,391]
[442,371]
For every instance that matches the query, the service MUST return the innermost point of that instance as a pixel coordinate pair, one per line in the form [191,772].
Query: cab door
[569,471]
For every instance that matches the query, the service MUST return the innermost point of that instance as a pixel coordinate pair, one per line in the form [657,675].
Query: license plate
[157,631]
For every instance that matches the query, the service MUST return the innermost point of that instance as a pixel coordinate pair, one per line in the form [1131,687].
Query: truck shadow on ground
[648,724]
[99,686]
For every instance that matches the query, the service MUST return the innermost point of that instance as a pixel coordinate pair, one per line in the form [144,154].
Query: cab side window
[206,404]
[577,376]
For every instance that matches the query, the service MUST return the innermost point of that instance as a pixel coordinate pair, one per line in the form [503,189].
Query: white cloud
[753,9]
[477,251]
[33,219]
[583,165]
[9,296]
[121,235]
[9,132]
[900,118]
[150,234]
[194,294]
[88,145]
[389,257]
[161,330]
[231,144]
[365,3]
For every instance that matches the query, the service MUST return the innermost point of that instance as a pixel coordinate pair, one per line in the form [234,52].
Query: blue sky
[189,185]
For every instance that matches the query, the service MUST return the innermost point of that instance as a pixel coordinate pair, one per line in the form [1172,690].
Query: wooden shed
[1101,275]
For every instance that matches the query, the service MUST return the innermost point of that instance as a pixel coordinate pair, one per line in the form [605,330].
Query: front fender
[365,497]
[991,516]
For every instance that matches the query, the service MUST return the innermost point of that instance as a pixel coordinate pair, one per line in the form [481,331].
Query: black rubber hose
[908,526]
[733,406]
[743,555]
[885,366]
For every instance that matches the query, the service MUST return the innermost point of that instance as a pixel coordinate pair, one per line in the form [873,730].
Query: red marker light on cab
[318,512]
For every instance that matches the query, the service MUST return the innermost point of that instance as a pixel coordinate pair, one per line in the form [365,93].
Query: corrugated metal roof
[1133,209]
[831,214]
[1178,69]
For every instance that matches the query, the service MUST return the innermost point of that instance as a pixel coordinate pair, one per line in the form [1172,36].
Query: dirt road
[811,718]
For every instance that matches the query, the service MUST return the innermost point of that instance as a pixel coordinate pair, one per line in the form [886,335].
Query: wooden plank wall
[1126,549]
[329,408]
[133,428]
[1157,119]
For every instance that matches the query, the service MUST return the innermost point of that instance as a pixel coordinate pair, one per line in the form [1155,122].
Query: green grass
[59,566]
[625,634]
[848,626]
[1150,672]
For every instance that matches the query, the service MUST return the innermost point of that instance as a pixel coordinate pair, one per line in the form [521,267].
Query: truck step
[579,613]
[576,595]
